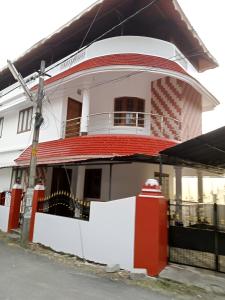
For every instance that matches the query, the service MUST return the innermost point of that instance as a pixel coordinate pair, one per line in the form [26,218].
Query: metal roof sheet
[207,149]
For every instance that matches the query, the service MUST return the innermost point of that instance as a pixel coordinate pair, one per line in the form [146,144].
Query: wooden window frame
[1,125]
[131,105]
[25,120]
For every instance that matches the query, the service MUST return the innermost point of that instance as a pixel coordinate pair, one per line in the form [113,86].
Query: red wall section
[166,101]
[14,213]
[151,234]
[191,112]
[38,194]
[175,100]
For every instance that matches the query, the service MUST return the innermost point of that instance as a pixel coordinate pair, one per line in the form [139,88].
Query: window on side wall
[25,120]
[130,111]
[92,183]
[1,126]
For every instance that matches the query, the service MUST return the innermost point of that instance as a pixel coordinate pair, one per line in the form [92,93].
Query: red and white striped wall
[191,112]
[181,108]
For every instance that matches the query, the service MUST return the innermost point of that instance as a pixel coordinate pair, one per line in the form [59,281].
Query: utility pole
[37,105]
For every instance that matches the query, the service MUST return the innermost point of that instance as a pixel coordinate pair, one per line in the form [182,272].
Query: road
[28,276]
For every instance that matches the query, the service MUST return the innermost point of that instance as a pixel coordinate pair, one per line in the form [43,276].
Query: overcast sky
[23,23]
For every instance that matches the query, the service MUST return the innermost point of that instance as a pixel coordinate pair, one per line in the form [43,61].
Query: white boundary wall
[4,217]
[107,238]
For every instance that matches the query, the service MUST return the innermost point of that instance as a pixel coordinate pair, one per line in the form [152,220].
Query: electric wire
[99,37]
[173,58]
[111,29]
[91,25]
[81,49]
[105,33]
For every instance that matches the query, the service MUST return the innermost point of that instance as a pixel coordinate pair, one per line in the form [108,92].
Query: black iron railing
[65,204]
[197,234]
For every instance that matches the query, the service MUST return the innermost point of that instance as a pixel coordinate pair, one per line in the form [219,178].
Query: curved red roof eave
[127,59]
[95,147]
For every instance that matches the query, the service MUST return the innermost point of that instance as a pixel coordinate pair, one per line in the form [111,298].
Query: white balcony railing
[125,122]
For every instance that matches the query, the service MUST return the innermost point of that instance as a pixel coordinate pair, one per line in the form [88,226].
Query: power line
[108,31]
[91,25]
[99,37]
[102,35]
[174,58]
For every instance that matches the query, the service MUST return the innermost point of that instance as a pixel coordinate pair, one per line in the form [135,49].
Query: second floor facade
[122,85]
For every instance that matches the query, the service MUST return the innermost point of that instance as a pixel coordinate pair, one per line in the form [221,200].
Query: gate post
[39,192]
[151,229]
[14,212]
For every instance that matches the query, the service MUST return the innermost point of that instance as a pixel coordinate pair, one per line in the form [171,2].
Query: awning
[207,149]
[84,148]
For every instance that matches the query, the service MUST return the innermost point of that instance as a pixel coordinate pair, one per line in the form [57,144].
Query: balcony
[106,47]
[126,122]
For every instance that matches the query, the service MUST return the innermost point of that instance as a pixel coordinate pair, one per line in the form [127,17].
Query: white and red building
[112,103]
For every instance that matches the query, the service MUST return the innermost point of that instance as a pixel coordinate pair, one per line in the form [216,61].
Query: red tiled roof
[91,147]
[128,59]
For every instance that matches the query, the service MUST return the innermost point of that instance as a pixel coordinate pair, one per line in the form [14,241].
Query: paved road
[27,276]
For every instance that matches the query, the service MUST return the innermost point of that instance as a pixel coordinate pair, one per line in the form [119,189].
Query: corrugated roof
[207,149]
[94,147]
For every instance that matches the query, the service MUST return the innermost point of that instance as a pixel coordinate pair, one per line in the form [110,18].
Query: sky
[23,23]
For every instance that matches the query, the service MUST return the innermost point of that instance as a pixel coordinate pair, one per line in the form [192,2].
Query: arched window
[130,110]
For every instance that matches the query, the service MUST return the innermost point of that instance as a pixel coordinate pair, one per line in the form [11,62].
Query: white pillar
[85,112]
[80,182]
[178,175]
[200,186]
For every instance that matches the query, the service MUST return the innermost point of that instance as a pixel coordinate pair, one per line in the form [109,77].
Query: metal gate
[64,204]
[197,235]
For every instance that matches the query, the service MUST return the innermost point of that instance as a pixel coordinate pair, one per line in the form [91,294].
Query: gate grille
[65,204]
[197,235]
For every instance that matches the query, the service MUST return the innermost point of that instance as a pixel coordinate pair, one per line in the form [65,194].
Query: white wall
[53,113]
[7,158]
[107,238]
[127,179]
[102,100]
[4,218]
[51,129]
[104,183]
[5,179]
[10,139]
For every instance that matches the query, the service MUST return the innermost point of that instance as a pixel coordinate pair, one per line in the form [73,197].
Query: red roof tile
[127,59]
[98,146]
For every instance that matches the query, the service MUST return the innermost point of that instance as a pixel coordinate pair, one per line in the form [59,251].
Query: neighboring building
[110,106]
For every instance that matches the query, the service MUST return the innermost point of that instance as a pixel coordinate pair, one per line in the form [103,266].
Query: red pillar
[14,213]
[151,232]
[39,193]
